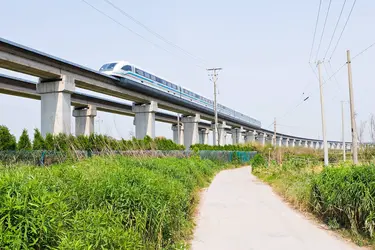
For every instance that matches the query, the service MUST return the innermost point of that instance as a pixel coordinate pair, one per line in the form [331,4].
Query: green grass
[342,196]
[102,203]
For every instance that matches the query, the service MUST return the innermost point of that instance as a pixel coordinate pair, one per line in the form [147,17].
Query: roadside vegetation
[67,143]
[102,203]
[341,195]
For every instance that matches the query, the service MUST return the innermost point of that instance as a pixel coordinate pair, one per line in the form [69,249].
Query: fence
[43,157]
[227,156]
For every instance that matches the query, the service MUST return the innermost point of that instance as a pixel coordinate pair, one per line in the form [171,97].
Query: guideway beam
[144,119]
[55,104]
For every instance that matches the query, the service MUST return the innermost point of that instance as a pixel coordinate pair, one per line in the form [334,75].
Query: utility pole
[213,73]
[274,133]
[323,117]
[352,116]
[343,131]
[178,129]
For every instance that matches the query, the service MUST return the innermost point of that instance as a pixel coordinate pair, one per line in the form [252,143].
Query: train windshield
[107,67]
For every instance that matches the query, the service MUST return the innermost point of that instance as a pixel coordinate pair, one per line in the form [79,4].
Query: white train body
[124,69]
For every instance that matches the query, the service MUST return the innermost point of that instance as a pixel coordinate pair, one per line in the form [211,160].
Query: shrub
[24,142]
[346,194]
[38,142]
[258,161]
[7,140]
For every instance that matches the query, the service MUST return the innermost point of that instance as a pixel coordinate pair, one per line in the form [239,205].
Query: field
[102,203]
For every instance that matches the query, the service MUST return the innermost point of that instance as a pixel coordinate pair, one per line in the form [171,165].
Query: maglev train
[124,69]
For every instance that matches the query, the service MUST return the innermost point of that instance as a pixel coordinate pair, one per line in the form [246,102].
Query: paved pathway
[239,212]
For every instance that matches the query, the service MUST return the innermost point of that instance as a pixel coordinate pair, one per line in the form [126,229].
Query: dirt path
[239,212]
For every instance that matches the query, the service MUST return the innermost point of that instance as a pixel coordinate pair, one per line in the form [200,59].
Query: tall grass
[342,196]
[101,203]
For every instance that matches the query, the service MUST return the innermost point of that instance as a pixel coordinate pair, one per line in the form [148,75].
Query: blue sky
[263,47]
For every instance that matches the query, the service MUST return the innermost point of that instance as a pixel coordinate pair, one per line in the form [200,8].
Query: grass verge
[102,203]
[341,196]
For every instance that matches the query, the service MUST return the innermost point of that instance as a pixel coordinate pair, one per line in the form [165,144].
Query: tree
[38,142]
[24,143]
[49,142]
[7,140]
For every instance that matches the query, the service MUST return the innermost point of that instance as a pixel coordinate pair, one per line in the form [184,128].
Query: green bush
[258,161]
[38,142]
[101,203]
[7,140]
[346,195]
[24,142]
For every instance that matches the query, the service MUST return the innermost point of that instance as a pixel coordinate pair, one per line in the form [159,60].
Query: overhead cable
[316,25]
[343,29]
[334,31]
[153,32]
[324,27]
[132,31]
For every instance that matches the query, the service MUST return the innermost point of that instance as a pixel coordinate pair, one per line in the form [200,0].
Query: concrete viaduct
[58,80]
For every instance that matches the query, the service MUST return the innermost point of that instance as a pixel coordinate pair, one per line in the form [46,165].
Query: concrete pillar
[203,136]
[305,144]
[237,137]
[269,139]
[279,141]
[56,104]
[262,138]
[144,119]
[299,143]
[175,134]
[85,120]
[221,127]
[286,142]
[190,130]
[250,136]
[292,143]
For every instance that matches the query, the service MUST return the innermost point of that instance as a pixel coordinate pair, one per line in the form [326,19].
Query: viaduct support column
[85,120]
[286,142]
[237,137]
[175,134]
[56,104]
[190,130]
[203,136]
[279,141]
[262,138]
[250,136]
[144,119]
[305,144]
[222,133]
[292,143]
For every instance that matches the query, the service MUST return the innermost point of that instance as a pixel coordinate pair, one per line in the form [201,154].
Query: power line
[334,31]
[363,51]
[343,29]
[153,32]
[132,31]
[316,25]
[324,27]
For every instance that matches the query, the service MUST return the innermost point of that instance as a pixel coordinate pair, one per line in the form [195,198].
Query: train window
[139,72]
[107,67]
[158,79]
[127,68]
[147,75]
[153,77]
